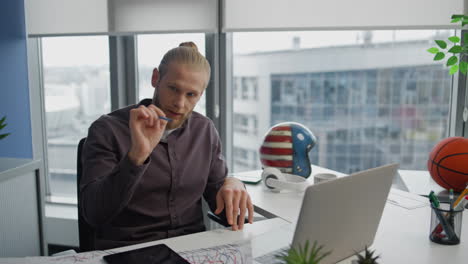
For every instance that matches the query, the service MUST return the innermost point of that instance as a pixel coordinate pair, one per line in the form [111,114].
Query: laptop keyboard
[270,257]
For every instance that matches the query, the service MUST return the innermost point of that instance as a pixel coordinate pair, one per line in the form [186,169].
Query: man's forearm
[106,195]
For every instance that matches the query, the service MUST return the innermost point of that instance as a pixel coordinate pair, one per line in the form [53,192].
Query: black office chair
[86,232]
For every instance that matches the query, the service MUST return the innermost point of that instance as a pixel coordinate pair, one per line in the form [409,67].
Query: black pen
[450,218]
[451,199]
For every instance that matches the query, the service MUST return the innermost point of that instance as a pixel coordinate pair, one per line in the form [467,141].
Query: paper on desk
[248,176]
[93,257]
[238,253]
[406,200]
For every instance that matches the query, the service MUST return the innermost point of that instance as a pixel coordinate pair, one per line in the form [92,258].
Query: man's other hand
[233,197]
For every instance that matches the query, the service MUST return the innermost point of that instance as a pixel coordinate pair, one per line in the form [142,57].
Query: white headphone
[275,180]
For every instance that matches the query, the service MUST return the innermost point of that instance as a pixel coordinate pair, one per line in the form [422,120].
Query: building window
[77,92]
[237,85]
[245,124]
[245,159]
[245,88]
[275,90]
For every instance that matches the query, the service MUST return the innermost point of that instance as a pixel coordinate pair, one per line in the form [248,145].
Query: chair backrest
[86,232]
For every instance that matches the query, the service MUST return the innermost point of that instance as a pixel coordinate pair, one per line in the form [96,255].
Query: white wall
[65,17]
[338,14]
[163,16]
[49,17]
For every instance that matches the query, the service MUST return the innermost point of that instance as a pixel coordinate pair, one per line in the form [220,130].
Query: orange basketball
[448,163]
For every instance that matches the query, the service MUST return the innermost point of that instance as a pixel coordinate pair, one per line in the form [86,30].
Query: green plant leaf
[464,22]
[452,60]
[464,50]
[306,254]
[463,67]
[439,56]
[453,69]
[433,50]
[442,44]
[368,257]
[3,125]
[455,49]
[454,39]
[457,16]
[455,20]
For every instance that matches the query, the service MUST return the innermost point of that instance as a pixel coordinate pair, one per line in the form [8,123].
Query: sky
[93,50]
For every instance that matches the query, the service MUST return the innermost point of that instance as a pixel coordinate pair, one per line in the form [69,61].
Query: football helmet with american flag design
[286,146]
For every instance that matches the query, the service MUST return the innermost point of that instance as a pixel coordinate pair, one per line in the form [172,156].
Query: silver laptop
[344,214]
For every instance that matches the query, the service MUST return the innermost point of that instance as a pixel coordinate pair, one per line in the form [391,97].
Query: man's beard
[156,98]
[157,104]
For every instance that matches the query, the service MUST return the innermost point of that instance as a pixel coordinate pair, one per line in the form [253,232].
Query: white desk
[284,204]
[262,236]
[421,182]
[402,236]
[287,204]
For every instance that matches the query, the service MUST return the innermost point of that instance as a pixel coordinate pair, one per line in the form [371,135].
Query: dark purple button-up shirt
[128,204]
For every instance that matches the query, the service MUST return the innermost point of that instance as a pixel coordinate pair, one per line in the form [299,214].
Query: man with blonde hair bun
[146,167]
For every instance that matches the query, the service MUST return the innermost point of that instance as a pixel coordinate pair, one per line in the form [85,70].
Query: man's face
[178,91]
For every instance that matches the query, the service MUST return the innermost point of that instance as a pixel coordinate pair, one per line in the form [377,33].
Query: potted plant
[453,47]
[303,255]
[3,125]
[367,258]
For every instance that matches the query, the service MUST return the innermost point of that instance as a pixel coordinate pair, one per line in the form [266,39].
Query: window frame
[219,93]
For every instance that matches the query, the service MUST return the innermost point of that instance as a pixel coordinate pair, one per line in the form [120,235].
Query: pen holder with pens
[445,224]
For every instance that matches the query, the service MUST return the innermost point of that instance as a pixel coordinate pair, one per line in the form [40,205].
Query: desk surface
[260,236]
[285,204]
[402,236]
[421,182]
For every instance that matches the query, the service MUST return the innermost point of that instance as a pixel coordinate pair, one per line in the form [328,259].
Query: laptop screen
[343,214]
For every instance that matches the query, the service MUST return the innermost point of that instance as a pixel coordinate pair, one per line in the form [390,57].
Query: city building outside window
[77,92]
[369,100]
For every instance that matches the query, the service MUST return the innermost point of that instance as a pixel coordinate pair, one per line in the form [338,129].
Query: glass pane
[151,49]
[371,97]
[77,92]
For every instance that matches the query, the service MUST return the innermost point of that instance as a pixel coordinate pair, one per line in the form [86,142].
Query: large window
[370,97]
[77,91]
[151,49]
[76,88]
